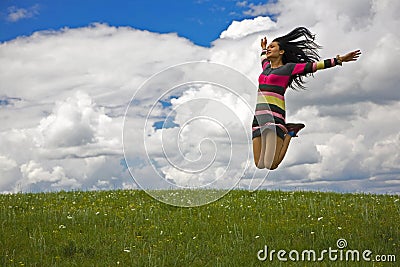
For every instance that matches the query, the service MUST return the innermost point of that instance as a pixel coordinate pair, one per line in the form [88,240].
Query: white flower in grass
[320,218]
[127,250]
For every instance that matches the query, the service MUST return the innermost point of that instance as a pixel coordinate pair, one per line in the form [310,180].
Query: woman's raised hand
[352,56]
[264,43]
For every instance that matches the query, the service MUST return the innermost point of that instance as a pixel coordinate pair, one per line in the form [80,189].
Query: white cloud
[213,123]
[71,124]
[73,87]
[70,89]
[65,145]
[34,173]
[7,164]
[15,14]
[245,27]
[259,9]
[241,4]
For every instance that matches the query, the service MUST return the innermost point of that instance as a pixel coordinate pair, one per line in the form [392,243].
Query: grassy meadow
[129,228]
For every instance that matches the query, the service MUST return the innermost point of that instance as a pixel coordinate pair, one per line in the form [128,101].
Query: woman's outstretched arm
[310,67]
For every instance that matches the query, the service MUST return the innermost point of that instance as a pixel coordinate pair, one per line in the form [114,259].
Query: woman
[284,61]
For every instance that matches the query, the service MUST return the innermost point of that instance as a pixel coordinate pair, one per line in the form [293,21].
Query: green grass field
[129,228]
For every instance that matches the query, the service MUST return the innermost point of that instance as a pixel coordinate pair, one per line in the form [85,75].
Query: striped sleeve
[310,67]
[264,60]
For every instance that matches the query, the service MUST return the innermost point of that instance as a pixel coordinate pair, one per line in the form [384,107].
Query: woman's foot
[294,128]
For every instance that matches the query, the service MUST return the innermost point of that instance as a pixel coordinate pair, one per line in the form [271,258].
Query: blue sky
[201,21]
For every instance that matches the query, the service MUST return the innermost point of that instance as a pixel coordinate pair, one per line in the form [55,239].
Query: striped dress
[273,82]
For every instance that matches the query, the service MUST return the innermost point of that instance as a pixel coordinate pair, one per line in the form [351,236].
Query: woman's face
[273,50]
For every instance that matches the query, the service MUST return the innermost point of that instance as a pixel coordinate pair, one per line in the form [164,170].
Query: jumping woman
[284,61]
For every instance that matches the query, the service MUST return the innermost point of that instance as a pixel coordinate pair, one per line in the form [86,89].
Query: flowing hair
[301,51]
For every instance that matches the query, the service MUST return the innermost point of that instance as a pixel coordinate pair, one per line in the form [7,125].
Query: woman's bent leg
[285,146]
[273,145]
[258,152]
[269,149]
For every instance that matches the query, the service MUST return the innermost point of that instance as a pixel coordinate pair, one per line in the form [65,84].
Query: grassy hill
[129,228]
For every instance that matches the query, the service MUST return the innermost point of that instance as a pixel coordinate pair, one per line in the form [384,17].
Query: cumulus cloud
[33,172]
[245,27]
[15,14]
[64,95]
[7,164]
[60,151]
[71,124]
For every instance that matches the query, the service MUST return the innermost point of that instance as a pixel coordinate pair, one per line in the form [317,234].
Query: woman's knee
[267,163]
[274,166]
[260,166]
[271,167]
[258,162]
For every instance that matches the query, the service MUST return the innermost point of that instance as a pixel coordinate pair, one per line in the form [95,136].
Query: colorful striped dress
[273,82]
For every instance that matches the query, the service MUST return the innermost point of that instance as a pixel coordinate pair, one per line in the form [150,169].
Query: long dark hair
[301,51]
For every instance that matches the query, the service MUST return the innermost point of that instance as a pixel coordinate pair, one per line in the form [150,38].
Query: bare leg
[269,150]
[284,148]
[258,152]
[294,128]
[273,146]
